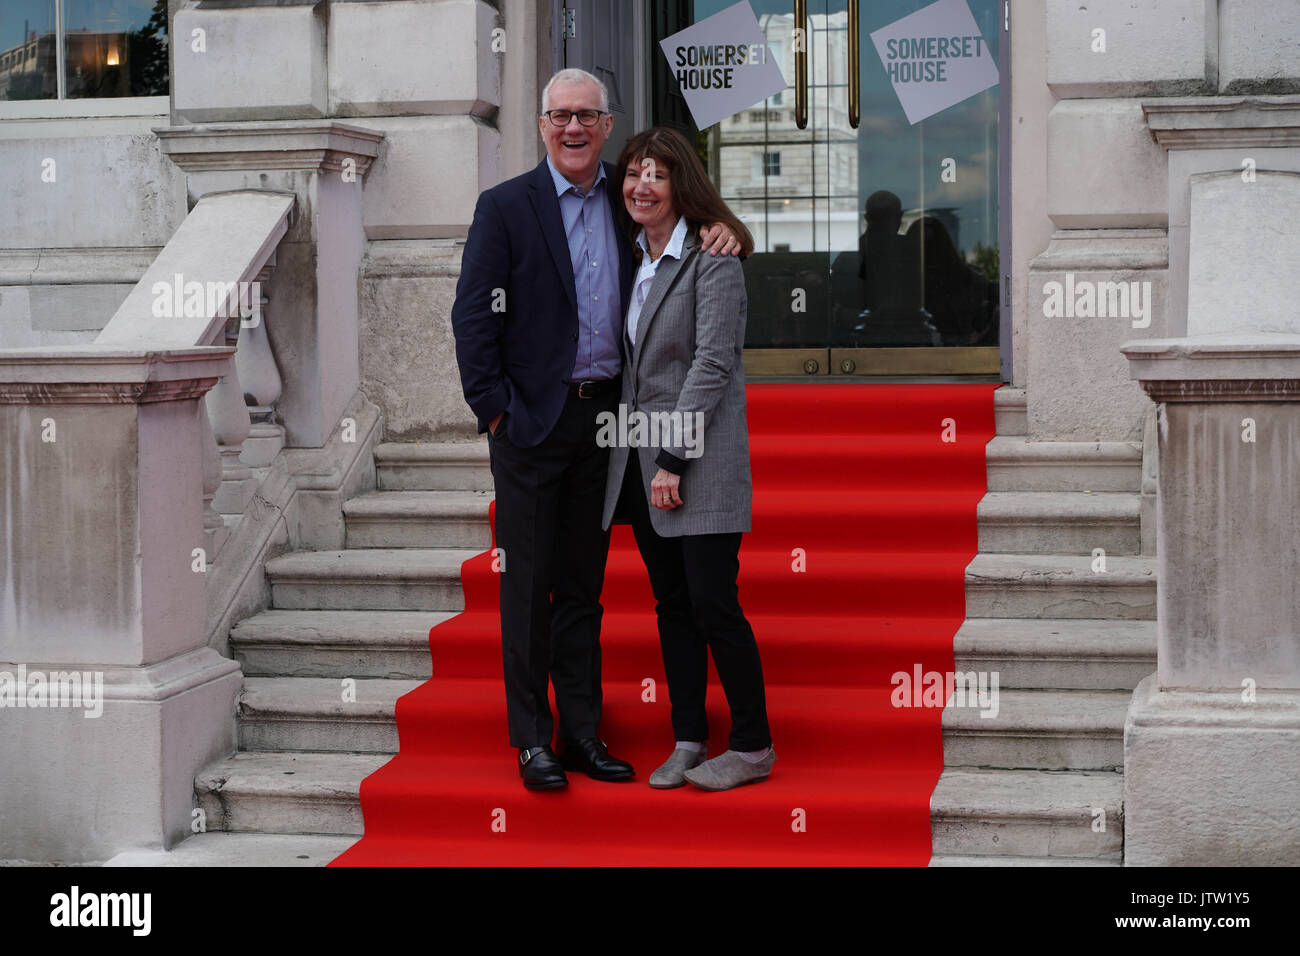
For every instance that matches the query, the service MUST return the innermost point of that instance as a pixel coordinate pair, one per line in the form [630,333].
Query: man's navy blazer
[516,312]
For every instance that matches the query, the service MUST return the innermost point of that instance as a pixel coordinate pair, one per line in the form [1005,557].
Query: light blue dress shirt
[646,274]
[593,250]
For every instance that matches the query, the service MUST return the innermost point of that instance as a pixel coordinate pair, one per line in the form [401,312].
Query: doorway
[877,239]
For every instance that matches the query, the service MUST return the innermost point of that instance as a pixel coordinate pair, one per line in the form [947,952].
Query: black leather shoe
[540,769]
[591,756]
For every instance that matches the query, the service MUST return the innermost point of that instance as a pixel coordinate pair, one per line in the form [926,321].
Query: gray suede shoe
[672,773]
[730,770]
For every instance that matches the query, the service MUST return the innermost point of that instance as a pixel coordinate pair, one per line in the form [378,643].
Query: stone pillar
[1212,739]
[102,513]
[1103,278]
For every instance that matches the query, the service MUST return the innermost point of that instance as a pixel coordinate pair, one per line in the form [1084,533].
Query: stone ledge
[150,682]
[1226,367]
[75,266]
[77,375]
[412,258]
[310,145]
[1094,250]
[1217,122]
[1273,710]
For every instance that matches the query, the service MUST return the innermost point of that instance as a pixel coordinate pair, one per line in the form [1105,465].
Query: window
[771,164]
[83,49]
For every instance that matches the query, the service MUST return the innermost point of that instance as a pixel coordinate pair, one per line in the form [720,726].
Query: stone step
[419,519]
[1060,586]
[311,714]
[1016,464]
[433,466]
[1058,652]
[1038,730]
[1026,817]
[279,643]
[978,817]
[1059,522]
[394,579]
[286,792]
[1010,411]
[448,519]
[1026,652]
[975,860]
[218,848]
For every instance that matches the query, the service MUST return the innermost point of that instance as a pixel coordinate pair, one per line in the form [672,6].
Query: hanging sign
[935,58]
[723,64]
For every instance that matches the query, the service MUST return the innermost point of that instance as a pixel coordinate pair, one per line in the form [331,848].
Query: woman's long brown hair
[694,196]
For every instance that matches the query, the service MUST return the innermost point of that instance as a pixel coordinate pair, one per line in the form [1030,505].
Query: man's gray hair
[575,75]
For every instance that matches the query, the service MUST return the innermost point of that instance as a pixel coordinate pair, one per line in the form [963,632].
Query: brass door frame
[846,362]
[787,362]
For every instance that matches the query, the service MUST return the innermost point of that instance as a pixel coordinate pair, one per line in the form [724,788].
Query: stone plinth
[102,490]
[1212,739]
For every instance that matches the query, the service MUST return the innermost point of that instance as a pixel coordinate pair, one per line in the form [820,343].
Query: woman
[686,489]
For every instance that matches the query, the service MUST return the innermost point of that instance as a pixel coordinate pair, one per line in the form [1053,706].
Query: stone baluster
[215,531]
[260,377]
[228,414]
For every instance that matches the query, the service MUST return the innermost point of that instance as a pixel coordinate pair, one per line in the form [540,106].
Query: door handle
[855,90]
[801,64]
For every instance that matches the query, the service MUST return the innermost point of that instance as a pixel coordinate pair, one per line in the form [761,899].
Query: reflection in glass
[27,50]
[928,267]
[115,48]
[921,269]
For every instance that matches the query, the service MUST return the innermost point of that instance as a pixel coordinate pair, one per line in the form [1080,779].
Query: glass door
[914,265]
[876,236]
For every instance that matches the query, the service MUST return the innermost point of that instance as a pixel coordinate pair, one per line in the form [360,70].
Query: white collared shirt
[646,274]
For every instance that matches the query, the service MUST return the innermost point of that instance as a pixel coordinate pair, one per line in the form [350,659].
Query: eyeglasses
[585,117]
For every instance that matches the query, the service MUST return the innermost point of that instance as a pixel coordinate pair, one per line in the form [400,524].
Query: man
[891,280]
[545,280]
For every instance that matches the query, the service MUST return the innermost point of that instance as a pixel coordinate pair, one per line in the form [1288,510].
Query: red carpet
[856,476]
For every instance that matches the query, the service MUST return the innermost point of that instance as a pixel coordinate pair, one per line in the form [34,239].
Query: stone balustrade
[214,420]
[207,284]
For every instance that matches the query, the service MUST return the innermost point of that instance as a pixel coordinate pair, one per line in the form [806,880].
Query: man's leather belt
[594,388]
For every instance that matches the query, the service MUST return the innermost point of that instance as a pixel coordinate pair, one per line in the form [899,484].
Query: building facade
[1119,210]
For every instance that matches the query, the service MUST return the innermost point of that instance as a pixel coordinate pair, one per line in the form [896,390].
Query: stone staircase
[1021,788]
[362,613]
[1069,645]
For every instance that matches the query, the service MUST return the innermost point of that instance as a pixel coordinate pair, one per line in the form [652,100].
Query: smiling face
[575,149]
[648,195]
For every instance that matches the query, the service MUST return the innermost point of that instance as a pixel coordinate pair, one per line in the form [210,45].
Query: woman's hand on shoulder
[717,239]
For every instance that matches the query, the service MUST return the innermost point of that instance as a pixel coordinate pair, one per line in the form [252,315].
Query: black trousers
[549,501]
[696,601]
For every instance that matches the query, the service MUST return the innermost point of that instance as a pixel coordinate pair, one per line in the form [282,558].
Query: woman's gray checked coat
[687,359]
